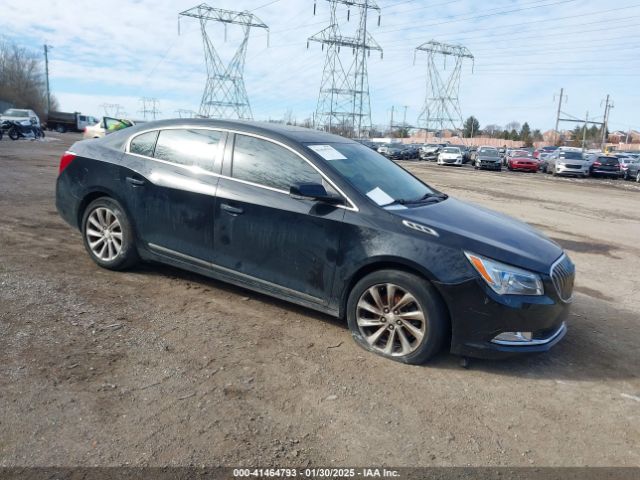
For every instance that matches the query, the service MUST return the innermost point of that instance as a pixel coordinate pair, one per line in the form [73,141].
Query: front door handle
[136,182]
[231,210]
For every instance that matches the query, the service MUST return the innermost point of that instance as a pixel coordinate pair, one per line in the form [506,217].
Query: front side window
[144,144]
[189,147]
[266,163]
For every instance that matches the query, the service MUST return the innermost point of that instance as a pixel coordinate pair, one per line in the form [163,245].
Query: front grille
[563,274]
[574,166]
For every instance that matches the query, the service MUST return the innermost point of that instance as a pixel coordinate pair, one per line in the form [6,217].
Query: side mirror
[314,191]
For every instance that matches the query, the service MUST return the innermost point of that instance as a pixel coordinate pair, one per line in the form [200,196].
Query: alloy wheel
[390,319]
[104,234]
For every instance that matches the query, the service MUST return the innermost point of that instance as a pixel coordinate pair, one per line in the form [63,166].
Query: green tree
[513,135]
[505,135]
[471,127]
[537,135]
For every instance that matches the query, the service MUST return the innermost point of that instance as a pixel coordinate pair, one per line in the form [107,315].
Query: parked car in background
[450,156]
[524,164]
[633,171]
[606,166]
[625,163]
[516,152]
[63,122]
[543,161]
[410,269]
[487,158]
[468,154]
[430,151]
[567,162]
[21,115]
[106,126]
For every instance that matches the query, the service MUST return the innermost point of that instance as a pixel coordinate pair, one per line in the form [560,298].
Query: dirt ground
[160,367]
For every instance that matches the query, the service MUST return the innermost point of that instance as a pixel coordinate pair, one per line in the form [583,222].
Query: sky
[118,51]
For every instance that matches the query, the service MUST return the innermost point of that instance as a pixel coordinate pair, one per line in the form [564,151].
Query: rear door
[263,233]
[172,187]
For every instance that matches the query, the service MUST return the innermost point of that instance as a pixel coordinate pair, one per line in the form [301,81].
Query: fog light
[513,337]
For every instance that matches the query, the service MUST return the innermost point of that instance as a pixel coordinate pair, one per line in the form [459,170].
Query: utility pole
[404,117]
[584,130]
[607,109]
[46,70]
[391,121]
[558,114]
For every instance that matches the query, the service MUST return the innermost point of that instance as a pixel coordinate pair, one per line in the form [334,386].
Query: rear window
[571,155]
[608,161]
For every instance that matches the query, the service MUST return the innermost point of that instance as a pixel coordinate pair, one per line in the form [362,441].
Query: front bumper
[525,167]
[490,165]
[479,315]
[565,170]
[607,173]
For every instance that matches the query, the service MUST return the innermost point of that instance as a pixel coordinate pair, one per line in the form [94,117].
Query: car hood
[486,232]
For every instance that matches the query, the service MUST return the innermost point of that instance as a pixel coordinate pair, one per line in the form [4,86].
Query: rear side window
[265,163]
[190,147]
[144,143]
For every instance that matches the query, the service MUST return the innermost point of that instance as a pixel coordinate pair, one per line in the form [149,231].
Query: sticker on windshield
[327,152]
[379,196]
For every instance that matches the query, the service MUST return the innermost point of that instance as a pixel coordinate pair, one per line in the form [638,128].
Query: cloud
[104,51]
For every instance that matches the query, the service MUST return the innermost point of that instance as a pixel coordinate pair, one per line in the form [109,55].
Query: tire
[105,210]
[13,134]
[638,177]
[499,169]
[61,129]
[429,317]
[626,175]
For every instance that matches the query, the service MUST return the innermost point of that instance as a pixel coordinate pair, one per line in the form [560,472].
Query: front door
[264,233]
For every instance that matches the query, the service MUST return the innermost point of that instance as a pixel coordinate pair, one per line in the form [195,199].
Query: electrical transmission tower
[149,107]
[116,108]
[224,94]
[442,106]
[343,103]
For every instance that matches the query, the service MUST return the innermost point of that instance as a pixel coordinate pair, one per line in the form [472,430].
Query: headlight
[506,279]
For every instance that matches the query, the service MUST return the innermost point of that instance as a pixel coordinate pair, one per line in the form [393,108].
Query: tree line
[511,131]
[22,79]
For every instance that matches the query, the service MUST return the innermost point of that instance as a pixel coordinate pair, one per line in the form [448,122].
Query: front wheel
[13,134]
[638,177]
[626,175]
[397,315]
[108,235]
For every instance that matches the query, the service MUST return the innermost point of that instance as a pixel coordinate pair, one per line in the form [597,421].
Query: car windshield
[488,151]
[371,174]
[451,150]
[571,155]
[12,112]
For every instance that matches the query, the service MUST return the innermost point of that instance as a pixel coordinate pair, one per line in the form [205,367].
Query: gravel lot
[160,367]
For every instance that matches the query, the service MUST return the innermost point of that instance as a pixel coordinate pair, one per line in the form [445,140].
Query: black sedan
[324,222]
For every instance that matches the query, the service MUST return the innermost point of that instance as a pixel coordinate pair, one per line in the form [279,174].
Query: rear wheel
[638,176]
[397,315]
[626,175]
[108,235]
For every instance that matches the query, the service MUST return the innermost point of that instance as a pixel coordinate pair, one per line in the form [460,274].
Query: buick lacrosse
[324,222]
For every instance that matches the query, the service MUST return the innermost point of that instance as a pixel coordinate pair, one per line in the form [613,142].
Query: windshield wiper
[427,197]
[436,197]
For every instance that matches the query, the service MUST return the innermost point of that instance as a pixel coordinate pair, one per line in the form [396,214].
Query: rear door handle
[231,210]
[136,182]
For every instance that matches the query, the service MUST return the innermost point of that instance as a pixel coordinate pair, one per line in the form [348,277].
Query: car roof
[276,131]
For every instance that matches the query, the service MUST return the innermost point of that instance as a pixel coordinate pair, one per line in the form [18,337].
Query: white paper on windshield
[327,152]
[379,196]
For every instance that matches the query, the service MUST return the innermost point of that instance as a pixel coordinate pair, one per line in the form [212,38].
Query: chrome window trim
[351,205]
[533,342]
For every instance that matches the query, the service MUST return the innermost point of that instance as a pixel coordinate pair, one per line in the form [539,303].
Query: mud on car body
[324,222]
